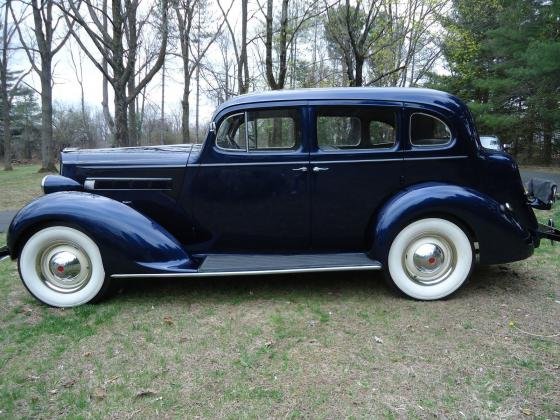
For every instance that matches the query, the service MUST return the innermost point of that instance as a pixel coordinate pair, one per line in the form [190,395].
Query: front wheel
[62,267]
[430,259]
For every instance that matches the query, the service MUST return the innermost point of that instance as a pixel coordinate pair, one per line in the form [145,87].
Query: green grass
[288,346]
[20,186]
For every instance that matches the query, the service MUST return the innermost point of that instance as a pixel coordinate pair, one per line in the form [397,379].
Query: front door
[356,164]
[251,192]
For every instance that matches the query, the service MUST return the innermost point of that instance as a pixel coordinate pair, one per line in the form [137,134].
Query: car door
[251,192]
[356,164]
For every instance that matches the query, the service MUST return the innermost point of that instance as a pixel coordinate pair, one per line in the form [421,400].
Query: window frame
[298,135]
[227,117]
[429,146]
[395,109]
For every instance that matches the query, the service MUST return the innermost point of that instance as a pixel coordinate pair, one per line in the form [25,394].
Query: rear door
[356,164]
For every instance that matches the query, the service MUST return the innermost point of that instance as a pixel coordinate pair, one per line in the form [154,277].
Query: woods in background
[501,56]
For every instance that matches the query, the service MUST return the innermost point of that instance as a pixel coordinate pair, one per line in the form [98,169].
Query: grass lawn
[321,345]
[19,186]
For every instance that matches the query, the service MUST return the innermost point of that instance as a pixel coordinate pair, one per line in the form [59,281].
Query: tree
[354,31]
[193,49]
[117,38]
[239,47]
[46,45]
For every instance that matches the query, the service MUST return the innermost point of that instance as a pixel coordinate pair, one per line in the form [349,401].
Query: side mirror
[507,147]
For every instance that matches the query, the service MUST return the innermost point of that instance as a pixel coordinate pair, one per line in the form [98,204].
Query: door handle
[302,169]
[319,169]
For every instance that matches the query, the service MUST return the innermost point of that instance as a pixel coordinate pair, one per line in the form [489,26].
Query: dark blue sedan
[286,182]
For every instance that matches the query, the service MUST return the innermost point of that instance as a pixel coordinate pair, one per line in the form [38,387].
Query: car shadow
[502,278]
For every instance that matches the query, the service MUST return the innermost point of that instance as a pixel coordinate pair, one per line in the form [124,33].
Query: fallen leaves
[145,393]
[99,394]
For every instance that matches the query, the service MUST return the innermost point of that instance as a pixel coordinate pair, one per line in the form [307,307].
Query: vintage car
[286,182]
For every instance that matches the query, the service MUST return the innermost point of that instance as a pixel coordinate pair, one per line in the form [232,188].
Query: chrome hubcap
[429,260]
[64,267]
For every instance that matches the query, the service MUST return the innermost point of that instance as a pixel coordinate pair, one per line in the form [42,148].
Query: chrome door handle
[319,169]
[302,169]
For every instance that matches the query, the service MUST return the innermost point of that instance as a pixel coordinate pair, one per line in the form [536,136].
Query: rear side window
[353,128]
[263,130]
[426,130]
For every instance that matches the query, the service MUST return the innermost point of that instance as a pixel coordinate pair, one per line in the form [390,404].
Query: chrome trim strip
[312,162]
[301,162]
[5,257]
[110,178]
[437,157]
[253,272]
[357,160]
[42,185]
[89,184]
[151,165]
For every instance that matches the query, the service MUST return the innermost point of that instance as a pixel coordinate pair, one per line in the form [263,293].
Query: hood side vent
[124,184]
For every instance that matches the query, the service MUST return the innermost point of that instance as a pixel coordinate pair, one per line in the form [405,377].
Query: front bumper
[4,252]
[548,232]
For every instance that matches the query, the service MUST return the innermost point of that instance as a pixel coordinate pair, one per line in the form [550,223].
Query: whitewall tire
[430,259]
[62,267]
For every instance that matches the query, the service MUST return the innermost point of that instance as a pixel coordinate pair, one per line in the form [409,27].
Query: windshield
[490,142]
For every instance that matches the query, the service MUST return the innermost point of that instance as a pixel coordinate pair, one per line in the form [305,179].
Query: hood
[167,155]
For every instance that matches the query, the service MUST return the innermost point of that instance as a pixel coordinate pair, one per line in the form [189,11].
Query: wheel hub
[64,267]
[429,260]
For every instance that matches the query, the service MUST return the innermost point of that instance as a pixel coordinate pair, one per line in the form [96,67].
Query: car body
[289,181]
[491,142]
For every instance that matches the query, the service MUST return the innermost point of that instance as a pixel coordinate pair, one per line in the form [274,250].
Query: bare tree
[288,30]
[45,47]
[117,40]
[357,31]
[239,47]
[191,57]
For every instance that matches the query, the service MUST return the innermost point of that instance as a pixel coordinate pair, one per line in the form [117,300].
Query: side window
[426,130]
[231,134]
[338,131]
[382,133]
[356,128]
[271,130]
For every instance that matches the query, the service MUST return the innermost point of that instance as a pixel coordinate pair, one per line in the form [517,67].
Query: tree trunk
[132,123]
[47,144]
[243,65]
[359,80]
[121,119]
[6,123]
[186,109]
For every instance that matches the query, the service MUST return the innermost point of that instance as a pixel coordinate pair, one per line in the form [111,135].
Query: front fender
[129,242]
[500,236]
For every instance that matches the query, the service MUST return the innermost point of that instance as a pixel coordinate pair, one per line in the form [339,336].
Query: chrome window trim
[429,146]
[218,131]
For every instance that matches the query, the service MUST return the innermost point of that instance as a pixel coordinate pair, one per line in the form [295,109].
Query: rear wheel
[62,267]
[430,259]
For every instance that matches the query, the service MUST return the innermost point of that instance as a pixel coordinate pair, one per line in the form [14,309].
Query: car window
[265,130]
[272,129]
[337,131]
[231,134]
[426,130]
[344,128]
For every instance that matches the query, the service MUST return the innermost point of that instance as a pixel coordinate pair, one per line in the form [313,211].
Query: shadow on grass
[337,285]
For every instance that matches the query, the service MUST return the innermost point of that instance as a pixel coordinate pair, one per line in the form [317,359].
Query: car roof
[415,95]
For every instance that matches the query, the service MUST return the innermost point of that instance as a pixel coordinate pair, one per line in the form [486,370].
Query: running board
[259,264]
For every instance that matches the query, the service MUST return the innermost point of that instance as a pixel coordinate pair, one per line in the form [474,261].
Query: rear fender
[129,242]
[500,236]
